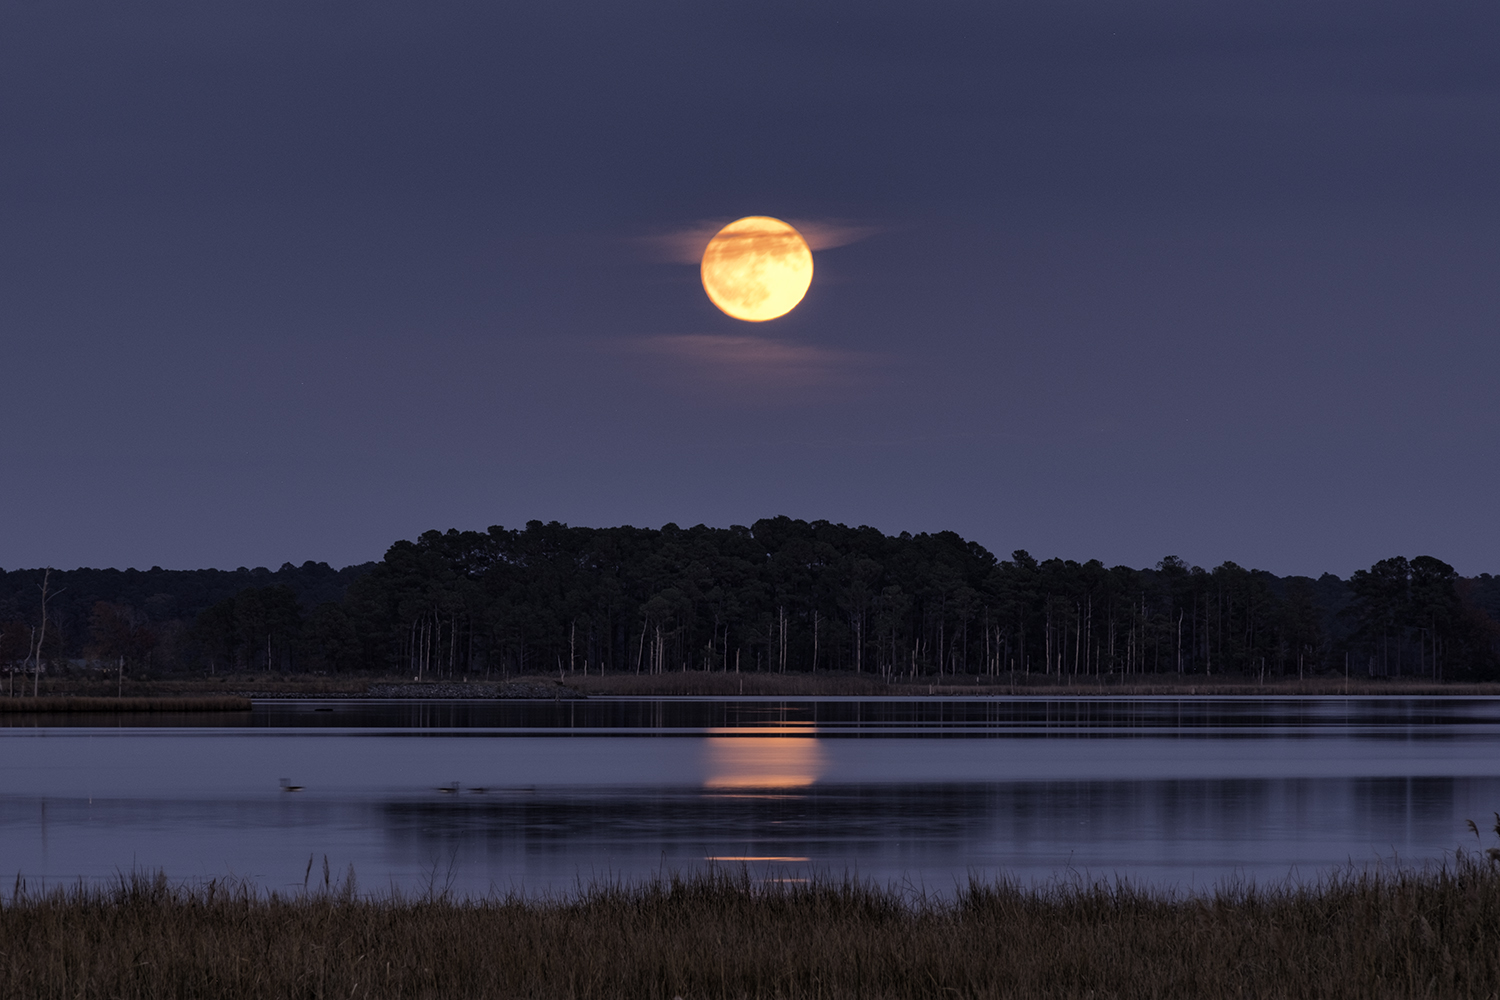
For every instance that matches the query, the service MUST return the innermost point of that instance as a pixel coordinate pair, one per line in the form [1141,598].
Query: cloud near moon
[685,246]
[757,364]
[748,368]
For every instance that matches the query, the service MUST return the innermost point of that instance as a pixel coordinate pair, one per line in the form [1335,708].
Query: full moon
[757,268]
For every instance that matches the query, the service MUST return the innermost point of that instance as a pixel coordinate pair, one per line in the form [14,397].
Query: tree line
[147,619]
[780,595]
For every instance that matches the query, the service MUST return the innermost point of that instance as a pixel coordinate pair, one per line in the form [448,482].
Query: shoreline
[48,704]
[233,692]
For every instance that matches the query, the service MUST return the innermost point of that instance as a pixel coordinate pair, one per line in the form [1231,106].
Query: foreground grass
[1380,934]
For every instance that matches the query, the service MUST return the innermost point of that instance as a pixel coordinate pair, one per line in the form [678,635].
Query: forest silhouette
[781,595]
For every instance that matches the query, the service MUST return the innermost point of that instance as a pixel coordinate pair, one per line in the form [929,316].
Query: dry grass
[771,684]
[83,704]
[1006,685]
[1381,934]
[1190,684]
[695,682]
[177,686]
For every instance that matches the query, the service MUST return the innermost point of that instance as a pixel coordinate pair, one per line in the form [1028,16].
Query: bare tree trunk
[781,636]
[37,677]
[941,616]
[1078,641]
[1179,640]
[1047,639]
[30,654]
[988,663]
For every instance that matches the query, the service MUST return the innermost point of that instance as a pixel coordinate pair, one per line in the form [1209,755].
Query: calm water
[477,796]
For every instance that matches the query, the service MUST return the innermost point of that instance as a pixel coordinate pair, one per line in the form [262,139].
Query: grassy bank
[64,703]
[179,686]
[1019,685]
[699,683]
[789,685]
[1393,934]
[1195,684]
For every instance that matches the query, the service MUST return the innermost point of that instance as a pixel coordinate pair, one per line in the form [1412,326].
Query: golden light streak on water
[787,759]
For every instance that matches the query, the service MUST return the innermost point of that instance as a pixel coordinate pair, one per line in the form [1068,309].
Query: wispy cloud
[748,364]
[827,234]
[685,246]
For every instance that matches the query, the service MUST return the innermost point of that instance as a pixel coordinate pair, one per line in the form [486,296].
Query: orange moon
[757,268]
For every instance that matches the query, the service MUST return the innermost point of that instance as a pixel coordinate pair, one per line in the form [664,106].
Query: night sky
[1108,279]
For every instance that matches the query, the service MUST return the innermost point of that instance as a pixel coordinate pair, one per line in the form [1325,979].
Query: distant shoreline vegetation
[779,596]
[115,706]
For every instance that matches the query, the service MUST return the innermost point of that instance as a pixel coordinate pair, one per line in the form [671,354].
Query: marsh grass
[96,685]
[1377,933]
[713,684]
[1007,685]
[86,704]
[694,682]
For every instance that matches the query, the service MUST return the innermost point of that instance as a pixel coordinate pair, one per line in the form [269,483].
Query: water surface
[477,796]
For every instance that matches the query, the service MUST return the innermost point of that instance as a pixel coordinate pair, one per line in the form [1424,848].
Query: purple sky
[290,280]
